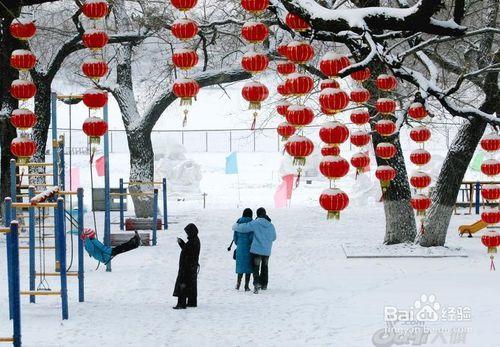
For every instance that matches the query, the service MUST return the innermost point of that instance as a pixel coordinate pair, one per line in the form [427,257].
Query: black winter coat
[186,283]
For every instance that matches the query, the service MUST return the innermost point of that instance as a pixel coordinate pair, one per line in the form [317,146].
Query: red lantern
[420,203]
[285,130]
[186,90]
[385,127]
[300,52]
[184,29]
[255,6]
[490,167]
[23,148]
[360,116]
[330,150]
[420,180]
[255,93]
[334,100]
[334,133]
[360,138]
[283,50]
[299,84]
[296,23]
[420,157]
[22,89]
[417,111]
[95,9]
[22,60]
[386,106]
[360,161]
[285,68]
[420,134]
[254,32]
[490,192]
[95,39]
[385,174]
[491,239]
[185,59]
[361,75]
[299,147]
[332,63]
[95,98]
[184,5]
[385,150]
[94,128]
[334,168]
[95,69]
[22,29]
[490,216]
[299,116]
[282,108]
[254,62]
[283,90]
[329,83]
[334,201]
[23,119]
[491,142]
[386,82]
[360,95]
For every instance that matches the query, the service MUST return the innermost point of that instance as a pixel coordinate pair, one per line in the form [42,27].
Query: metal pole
[155,215]
[16,297]
[230,141]
[122,212]
[32,261]
[53,113]
[7,220]
[107,203]
[13,188]
[206,141]
[111,140]
[61,235]
[62,184]
[81,263]
[254,141]
[478,197]
[165,207]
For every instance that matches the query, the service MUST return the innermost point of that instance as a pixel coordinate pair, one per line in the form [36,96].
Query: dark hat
[191,230]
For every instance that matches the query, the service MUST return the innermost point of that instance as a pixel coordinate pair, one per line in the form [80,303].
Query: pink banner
[280,197]
[99,166]
[288,180]
[74,181]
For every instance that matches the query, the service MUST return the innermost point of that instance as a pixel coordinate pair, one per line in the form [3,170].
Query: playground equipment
[472,228]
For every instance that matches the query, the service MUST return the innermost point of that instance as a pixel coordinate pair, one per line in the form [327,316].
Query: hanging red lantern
[95,9]
[333,99]
[360,138]
[385,150]
[95,98]
[95,39]
[332,63]
[22,29]
[184,29]
[420,134]
[299,147]
[283,50]
[417,111]
[94,128]
[334,201]
[420,157]
[184,5]
[491,142]
[420,180]
[330,150]
[490,167]
[185,59]
[491,240]
[299,84]
[385,174]
[386,106]
[22,89]
[254,62]
[329,83]
[254,93]
[95,69]
[333,167]
[361,75]
[255,6]
[360,95]
[360,161]
[282,108]
[285,67]
[334,133]
[299,115]
[254,32]
[420,203]
[285,130]
[23,148]
[300,52]
[490,217]
[186,89]
[385,127]
[296,23]
[22,59]
[360,116]
[23,119]
[386,82]
[490,192]
[283,89]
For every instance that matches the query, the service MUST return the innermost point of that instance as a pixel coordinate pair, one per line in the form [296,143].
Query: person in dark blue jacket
[97,250]
[243,241]
[264,234]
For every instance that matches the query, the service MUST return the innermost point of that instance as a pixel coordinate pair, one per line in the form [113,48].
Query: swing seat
[57,274]
[6,339]
[40,293]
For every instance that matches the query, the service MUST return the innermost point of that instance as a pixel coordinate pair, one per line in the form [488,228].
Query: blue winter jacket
[97,250]
[243,242]
[263,235]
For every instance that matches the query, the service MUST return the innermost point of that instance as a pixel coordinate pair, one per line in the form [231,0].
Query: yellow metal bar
[137,183]
[36,237]
[36,247]
[35,164]
[133,194]
[4,230]
[27,186]
[62,97]
[40,292]
[28,205]
[57,274]
[6,339]
[66,192]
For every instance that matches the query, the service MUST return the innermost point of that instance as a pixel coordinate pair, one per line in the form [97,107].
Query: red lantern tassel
[492,264]
[422,228]
[254,122]
[185,119]
[297,182]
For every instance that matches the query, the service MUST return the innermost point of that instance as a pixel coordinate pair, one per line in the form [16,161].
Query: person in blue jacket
[243,241]
[264,234]
[97,250]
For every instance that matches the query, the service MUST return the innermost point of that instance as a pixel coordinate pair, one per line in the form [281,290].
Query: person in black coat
[187,277]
